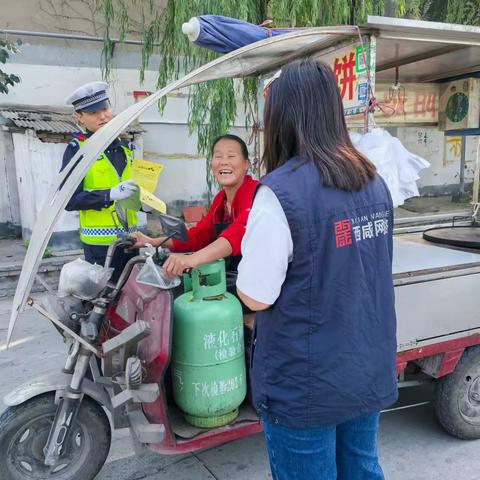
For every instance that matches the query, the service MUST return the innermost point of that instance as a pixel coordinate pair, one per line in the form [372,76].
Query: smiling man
[106,181]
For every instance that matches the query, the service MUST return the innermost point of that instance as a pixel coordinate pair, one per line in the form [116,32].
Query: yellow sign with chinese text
[145,174]
[152,201]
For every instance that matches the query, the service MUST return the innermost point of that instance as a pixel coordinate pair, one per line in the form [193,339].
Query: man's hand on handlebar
[177,263]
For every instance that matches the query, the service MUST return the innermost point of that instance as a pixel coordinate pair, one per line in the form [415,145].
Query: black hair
[304,117]
[229,136]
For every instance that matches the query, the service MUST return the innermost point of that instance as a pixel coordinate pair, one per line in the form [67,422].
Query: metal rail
[405,407]
[67,36]
[31,302]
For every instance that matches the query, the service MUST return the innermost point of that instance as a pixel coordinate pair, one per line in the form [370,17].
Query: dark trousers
[98,253]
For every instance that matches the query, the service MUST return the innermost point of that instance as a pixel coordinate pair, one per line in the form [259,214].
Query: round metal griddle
[467,237]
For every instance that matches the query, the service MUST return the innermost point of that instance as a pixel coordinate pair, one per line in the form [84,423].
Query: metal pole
[462,167]
[66,36]
[259,143]
[476,185]
[32,303]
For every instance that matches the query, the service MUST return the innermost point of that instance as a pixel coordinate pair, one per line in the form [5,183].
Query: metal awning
[266,55]
[39,120]
[424,51]
[46,119]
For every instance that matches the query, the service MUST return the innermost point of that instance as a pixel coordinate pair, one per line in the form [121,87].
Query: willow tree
[7,80]
[463,11]
[213,105]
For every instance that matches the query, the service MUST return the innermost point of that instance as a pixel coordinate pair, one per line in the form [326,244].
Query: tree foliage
[463,11]
[213,105]
[7,79]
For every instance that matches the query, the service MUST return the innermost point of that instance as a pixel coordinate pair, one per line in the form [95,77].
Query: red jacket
[204,232]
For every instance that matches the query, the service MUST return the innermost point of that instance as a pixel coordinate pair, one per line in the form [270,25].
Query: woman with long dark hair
[317,268]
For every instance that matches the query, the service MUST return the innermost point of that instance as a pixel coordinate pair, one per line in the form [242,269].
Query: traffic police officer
[106,181]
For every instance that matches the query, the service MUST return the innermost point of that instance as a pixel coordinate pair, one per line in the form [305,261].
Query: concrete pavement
[412,445]
[12,256]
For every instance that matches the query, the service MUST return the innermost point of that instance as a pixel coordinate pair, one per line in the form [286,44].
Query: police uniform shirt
[97,199]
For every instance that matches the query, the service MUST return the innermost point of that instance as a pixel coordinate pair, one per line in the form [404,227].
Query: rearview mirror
[173,227]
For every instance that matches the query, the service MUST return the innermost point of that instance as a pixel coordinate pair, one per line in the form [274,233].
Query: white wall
[51,84]
[37,168]
[9,202]
[442,152]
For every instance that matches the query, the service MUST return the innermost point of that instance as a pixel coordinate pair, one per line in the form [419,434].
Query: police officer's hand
[123,190]
[177,263]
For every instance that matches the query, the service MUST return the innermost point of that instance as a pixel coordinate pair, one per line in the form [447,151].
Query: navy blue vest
[325,351]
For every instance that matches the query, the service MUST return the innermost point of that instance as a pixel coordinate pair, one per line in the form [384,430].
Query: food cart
[436,286]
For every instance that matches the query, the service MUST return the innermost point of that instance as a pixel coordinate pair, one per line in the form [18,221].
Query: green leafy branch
[463,11]
[7,79]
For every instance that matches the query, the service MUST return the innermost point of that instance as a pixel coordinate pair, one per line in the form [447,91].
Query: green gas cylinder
[208,367]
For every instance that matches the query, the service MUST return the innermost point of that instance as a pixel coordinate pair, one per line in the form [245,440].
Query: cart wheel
[457,397]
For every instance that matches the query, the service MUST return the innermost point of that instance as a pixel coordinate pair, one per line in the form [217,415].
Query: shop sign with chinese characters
[349,64]
[405,104]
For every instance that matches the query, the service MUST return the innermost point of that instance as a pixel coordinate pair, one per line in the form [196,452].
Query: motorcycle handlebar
[125,274]
[124,242]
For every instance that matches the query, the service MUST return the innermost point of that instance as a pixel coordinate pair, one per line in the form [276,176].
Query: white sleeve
[267,248]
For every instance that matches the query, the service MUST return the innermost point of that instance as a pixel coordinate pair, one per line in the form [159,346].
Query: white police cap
[90,97]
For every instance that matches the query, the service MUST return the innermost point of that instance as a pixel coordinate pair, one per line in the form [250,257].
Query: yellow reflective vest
[101,227]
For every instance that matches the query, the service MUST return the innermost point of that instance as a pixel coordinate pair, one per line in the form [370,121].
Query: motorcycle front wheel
[24,431]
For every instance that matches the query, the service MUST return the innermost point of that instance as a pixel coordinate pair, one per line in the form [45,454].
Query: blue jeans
[347,451]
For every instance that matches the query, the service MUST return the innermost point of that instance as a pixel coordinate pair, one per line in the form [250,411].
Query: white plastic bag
[397,166]
[153,275]
[82,279]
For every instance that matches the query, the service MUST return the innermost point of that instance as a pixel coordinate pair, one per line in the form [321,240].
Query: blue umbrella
[225,34]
